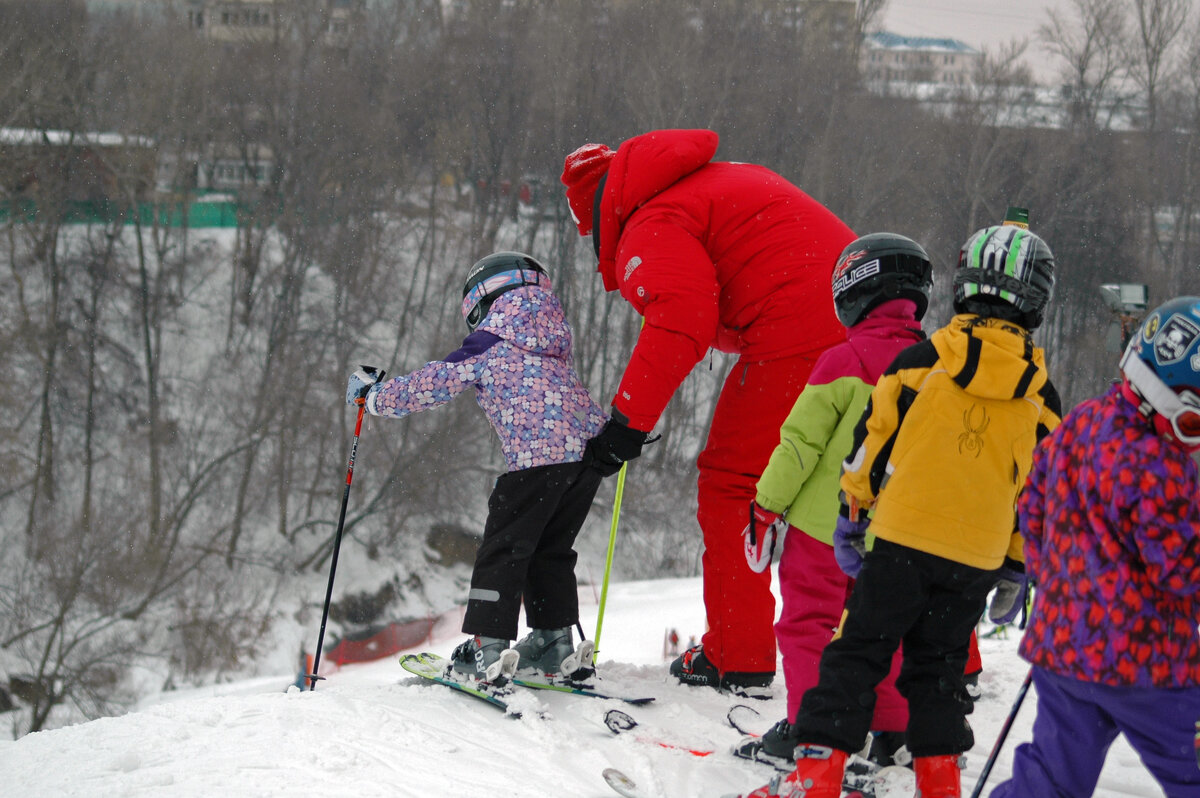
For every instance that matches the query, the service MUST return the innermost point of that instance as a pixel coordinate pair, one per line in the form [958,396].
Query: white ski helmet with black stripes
[1005,271]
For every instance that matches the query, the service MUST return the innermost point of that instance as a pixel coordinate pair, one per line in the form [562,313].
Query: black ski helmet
[494,275]
[1005,271]
[876,268]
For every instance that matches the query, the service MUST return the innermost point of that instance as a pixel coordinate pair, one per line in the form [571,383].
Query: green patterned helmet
[1005,271]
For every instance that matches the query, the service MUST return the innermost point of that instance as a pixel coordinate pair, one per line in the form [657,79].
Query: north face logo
[632,264]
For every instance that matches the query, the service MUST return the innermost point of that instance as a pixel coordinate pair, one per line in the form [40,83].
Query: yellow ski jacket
[947,439]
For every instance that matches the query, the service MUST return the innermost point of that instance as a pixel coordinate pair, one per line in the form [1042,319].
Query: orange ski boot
[818,774]
[938,776]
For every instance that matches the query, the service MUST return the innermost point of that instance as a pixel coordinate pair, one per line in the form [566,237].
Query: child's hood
[990,358]
[531,318]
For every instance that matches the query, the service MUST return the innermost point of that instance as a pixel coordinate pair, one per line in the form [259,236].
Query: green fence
[198,213]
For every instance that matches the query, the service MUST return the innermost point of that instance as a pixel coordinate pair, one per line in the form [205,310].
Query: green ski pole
[612,544]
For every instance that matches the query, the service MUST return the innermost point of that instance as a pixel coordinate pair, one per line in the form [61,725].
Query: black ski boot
[889,748]
[776,747]
[693,668]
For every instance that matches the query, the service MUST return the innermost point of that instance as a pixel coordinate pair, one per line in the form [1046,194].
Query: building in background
[263,20]
[890,57]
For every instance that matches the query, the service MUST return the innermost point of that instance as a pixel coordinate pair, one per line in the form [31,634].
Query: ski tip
[620,782]
[618,721]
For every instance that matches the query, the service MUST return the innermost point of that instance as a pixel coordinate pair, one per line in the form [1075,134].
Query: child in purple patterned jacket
[518,359]
[1111,522]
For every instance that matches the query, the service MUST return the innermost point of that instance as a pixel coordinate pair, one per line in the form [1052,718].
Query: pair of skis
[862,778]
[503,696]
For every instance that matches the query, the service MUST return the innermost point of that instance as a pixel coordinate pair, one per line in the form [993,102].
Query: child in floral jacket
[1111,522]
[518,359]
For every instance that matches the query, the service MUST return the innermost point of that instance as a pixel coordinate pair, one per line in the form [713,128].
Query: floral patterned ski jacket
[1111,522]
[519,362]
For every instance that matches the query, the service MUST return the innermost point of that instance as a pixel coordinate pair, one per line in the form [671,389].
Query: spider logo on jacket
[971,440]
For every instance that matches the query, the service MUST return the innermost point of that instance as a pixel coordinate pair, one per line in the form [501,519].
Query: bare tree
[1089,42]
[1157,26]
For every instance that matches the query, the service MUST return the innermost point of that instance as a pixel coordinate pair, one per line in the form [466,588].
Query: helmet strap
[1159,402]
[1130,392]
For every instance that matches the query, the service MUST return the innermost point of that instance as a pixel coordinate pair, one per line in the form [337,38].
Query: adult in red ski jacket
[724,255]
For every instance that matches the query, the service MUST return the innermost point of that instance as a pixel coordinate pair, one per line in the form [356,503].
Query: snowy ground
[374,730]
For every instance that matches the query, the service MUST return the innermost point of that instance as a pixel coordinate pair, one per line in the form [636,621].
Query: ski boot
[818,774]
[694,669]
[776,747]
[888,748]
[551,653]
[939,776]
[486,659]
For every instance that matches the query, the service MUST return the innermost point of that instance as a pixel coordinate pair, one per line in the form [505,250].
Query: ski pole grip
[375,375]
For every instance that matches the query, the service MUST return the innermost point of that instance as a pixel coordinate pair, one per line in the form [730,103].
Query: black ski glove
[615,445]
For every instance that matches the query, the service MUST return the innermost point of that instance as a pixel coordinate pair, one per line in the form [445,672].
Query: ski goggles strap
[513,278]
[1182,410]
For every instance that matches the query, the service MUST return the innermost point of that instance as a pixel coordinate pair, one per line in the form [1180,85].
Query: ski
[622,784]
[863,778]
[862,775]
[577,688]
[743,718]
[619,722]
[628,788]
[433,667]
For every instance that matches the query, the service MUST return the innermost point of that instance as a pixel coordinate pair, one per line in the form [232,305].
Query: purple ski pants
[1077,722]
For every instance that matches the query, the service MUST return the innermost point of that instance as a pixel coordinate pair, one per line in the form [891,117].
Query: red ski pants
[755,400]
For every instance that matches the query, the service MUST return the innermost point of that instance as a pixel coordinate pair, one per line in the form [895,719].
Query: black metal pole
[1012,715]
[313,677]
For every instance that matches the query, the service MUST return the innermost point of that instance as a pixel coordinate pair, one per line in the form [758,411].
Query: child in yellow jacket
[939,457]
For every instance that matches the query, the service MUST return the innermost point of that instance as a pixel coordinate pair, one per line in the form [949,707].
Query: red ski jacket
[711,254]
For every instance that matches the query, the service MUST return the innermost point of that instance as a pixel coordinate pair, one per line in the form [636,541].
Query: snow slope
[374,730]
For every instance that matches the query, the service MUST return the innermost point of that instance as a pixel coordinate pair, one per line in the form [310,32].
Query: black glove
[615,445]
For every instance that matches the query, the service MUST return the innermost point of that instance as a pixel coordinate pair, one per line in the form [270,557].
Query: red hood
[644,166]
